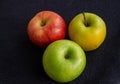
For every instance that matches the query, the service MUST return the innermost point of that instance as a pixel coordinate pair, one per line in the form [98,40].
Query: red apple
[46,27]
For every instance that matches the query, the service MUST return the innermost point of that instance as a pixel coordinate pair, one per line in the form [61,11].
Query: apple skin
[64,60]
[46,27]
[90,36]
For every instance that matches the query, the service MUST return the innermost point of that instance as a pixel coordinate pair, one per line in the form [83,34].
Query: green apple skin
[89,37]
[64,60]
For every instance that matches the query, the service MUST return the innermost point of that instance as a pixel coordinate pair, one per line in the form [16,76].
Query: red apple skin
[46,27]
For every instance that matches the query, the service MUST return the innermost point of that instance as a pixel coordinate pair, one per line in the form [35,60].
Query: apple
[88,30]
[64,60]
[46,27]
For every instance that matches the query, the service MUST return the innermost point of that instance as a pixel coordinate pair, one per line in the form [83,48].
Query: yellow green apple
[88,30]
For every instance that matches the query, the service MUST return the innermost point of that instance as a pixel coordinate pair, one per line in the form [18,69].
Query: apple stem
[85,21]
[43,23]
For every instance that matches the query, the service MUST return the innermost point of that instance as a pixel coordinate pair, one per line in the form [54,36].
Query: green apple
[88,30]
[64,60]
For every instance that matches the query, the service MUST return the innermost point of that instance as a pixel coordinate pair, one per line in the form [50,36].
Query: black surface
[21,61]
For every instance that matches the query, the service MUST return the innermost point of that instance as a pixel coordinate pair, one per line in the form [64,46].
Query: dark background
[21,61]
